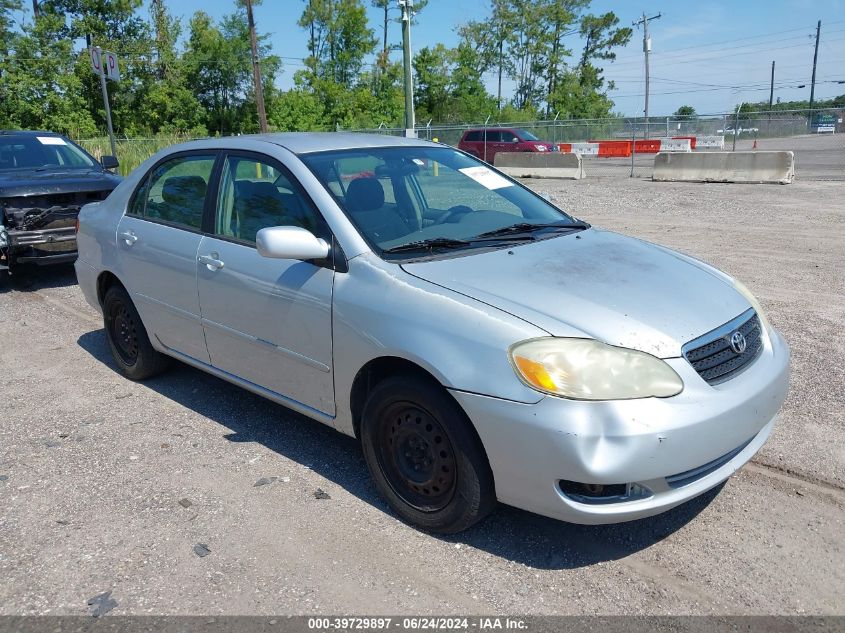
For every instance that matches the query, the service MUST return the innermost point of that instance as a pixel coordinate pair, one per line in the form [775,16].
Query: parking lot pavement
[108,485]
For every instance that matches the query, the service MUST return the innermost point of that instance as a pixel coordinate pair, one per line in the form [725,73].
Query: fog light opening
[603,493]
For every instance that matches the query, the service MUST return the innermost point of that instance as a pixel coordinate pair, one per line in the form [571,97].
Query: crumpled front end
[41,229]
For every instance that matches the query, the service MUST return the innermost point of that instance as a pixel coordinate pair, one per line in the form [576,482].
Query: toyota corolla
[481,343]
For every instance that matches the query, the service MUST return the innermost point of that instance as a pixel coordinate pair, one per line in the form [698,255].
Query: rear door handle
[211,262]
[129,237]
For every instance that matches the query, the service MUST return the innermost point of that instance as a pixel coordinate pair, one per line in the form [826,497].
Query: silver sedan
[483,344]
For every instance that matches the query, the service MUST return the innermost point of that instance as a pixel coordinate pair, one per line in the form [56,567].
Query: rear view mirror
[109,162]
[290,242]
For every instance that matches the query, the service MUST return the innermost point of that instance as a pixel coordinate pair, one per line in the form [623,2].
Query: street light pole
[407,10]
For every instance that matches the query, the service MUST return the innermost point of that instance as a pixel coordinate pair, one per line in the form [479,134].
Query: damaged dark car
[44,181]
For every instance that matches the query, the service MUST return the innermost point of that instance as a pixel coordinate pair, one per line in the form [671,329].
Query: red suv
[485,143]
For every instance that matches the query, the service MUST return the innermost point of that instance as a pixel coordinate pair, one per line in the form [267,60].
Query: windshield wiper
[429,244]
[528,227]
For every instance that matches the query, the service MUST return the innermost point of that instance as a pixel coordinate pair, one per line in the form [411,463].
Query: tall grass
[130,152]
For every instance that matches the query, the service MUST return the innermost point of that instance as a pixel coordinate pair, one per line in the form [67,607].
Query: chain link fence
[817,137]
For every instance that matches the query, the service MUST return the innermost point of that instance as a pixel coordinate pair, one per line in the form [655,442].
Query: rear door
[157,242]
[267,321]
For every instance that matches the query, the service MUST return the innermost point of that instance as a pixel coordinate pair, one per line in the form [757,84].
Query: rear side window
[174,191]
[473,137]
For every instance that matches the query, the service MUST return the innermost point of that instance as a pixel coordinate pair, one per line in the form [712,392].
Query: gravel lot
[107,485]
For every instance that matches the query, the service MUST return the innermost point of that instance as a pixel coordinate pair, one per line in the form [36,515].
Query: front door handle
[129,237]
[211,262]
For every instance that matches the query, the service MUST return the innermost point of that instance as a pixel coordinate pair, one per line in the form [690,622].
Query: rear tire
[425,457]
[128,341]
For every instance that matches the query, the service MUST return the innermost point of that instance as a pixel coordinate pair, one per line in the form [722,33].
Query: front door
[158,238]
[267,321]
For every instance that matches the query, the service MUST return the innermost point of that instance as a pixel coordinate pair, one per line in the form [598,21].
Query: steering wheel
[454,214]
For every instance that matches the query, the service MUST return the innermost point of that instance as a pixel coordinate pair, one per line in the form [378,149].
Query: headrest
[364,194]
[265,189]
[180,189]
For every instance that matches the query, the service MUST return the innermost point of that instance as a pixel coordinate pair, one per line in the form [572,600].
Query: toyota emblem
[738,342]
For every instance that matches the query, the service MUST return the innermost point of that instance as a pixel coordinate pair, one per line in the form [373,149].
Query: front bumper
[47,246]
[657,444]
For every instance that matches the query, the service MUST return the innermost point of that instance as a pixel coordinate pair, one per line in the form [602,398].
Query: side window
[473,137]
[508,137]
[175,191]
[256,194]
[139,199]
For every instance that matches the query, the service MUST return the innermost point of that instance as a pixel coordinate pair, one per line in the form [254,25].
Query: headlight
[745,292]
[584,369]
[540,148]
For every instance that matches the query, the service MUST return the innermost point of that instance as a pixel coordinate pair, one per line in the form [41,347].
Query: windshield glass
[405,195]
[42,153]
[526,135]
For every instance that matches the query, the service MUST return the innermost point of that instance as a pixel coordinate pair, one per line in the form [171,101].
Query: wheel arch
[376,370]
[106,280]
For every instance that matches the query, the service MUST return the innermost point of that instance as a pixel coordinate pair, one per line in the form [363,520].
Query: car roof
[27,133]
[491,129]
[307,142]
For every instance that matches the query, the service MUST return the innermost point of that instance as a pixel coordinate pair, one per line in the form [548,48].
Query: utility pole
[35,9]
[646,50]
[407,9]
[815,59]
[256,70]
[772,87]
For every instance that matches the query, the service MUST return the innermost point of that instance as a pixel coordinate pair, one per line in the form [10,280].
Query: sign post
[104,64]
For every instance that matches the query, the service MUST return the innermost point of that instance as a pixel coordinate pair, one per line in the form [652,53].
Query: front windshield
[41,153]
[399,196]
[526,135]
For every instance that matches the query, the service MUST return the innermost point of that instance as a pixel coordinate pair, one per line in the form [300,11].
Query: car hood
[17,183]
[596,283]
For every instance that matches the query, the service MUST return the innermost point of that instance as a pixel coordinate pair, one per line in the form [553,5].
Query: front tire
[128,341]
[425,457]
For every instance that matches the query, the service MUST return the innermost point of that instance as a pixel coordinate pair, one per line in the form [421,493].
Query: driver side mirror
[290,242]
[515,140]
[109,162]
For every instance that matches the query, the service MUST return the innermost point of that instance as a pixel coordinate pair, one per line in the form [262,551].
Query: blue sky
[709,54]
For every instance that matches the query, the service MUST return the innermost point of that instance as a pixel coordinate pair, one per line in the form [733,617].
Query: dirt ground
[107,485]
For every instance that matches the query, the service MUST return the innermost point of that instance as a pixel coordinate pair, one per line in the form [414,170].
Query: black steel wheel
[417,457]
[424,455]
[123,331]
[128,341]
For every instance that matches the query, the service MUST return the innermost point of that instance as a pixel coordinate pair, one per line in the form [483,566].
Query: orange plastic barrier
[609,149]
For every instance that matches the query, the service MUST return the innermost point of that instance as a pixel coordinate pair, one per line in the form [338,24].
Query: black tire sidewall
[474,496]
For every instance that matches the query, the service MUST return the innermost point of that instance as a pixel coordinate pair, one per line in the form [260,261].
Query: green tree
[40,87]
[339,39]
[432,90]
[685,113]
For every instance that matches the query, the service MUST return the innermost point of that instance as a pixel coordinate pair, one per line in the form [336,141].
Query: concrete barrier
[540,165]
[756,167]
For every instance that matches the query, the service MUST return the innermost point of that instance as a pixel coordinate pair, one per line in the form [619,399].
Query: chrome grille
[712,355]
